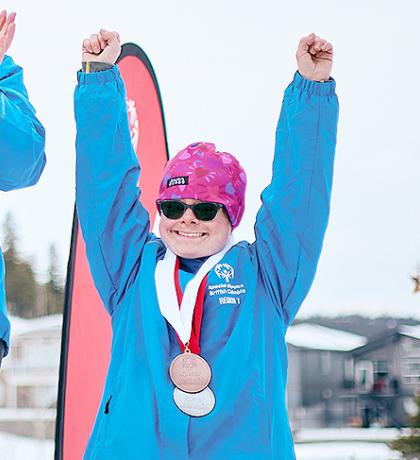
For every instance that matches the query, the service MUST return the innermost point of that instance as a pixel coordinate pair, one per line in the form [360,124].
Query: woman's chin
[188,253]
[193,249]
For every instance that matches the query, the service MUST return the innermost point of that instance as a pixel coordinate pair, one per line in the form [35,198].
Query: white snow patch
[20,448]
[346,444]
[315,337]
[345,451]
[410,331]
[14,414]
[347,434]
[21,326]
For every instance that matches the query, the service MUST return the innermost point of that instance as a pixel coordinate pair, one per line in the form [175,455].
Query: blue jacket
[242,339]
[22,157]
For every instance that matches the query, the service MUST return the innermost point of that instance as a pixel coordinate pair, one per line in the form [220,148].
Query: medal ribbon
[194,342]
[181,317]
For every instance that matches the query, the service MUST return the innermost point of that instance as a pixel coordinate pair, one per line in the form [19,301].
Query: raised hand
[314,58]
[7,31]
[102,47]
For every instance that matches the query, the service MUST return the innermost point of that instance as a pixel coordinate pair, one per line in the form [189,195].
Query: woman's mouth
[189,234]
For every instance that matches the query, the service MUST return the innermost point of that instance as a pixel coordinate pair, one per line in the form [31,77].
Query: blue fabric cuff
[4,324]
[3,349]
[314,87]
[94,78]
[8,68]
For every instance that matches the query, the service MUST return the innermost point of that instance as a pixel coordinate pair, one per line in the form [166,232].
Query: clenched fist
[102,47]
[7,31]
[314,58]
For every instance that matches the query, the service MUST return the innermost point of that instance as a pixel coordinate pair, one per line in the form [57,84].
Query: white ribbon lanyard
[180,318]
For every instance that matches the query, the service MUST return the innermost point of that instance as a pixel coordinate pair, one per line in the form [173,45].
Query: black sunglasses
[174,209]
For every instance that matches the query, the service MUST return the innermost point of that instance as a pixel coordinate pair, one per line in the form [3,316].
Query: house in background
[29,377]
[337,378]
[320,365]
[387,377]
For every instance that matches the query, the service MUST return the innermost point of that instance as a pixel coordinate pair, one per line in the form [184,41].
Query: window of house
[15,352]
[380,367]
[411,370]
[24,396]
[364,375]
[325,363]
[349,369]
[2,394]
[411,345]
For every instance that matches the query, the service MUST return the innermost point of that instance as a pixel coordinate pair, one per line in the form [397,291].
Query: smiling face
[190,237]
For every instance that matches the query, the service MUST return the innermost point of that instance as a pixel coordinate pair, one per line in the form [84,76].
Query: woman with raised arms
[199,360]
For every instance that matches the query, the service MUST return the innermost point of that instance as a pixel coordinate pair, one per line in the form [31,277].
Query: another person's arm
[114,224]
[2,350]
[4,321]
[291,223]
[22,137]
[22,140]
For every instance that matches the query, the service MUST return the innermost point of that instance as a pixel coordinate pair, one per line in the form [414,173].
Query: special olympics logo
[133,122]
[225,271]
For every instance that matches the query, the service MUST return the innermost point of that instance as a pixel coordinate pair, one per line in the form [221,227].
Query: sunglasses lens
[172,209]
[205,211]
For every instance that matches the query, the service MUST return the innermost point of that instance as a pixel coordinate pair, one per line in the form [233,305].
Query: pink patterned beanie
[202,173]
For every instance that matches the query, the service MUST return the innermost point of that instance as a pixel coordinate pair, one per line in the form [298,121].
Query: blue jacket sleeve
[4,321]
[22,137]
[292,220]
[114,224]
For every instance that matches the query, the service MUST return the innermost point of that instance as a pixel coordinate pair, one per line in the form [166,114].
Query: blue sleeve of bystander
[4,321]
[22,137]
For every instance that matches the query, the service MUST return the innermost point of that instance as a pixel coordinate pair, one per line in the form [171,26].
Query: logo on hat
[180,180]
[224,271]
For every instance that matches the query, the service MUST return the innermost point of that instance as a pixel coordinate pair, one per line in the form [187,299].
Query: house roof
[21,326]
[368,327]
[410,331]
[315,337]
[388,337]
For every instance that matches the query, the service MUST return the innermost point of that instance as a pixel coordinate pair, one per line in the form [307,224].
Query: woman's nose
[188,216]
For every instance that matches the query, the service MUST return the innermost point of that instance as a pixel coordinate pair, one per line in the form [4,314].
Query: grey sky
[222,67]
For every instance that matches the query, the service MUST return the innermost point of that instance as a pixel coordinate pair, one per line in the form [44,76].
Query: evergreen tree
[21,285]
[409,446]
[53,288]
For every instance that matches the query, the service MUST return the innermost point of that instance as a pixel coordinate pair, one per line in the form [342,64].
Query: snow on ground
[322,444]
[346,444]
[20,326]
[21,448]
[345,451]
[347,434]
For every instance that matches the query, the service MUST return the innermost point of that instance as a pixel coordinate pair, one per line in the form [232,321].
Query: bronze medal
[195,404]
[190,372]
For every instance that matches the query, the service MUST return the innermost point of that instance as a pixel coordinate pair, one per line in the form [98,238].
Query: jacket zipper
[106,410]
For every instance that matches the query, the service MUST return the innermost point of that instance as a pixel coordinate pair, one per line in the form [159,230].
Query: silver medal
[195,404]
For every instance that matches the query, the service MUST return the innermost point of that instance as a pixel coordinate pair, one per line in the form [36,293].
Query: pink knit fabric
[202,173]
